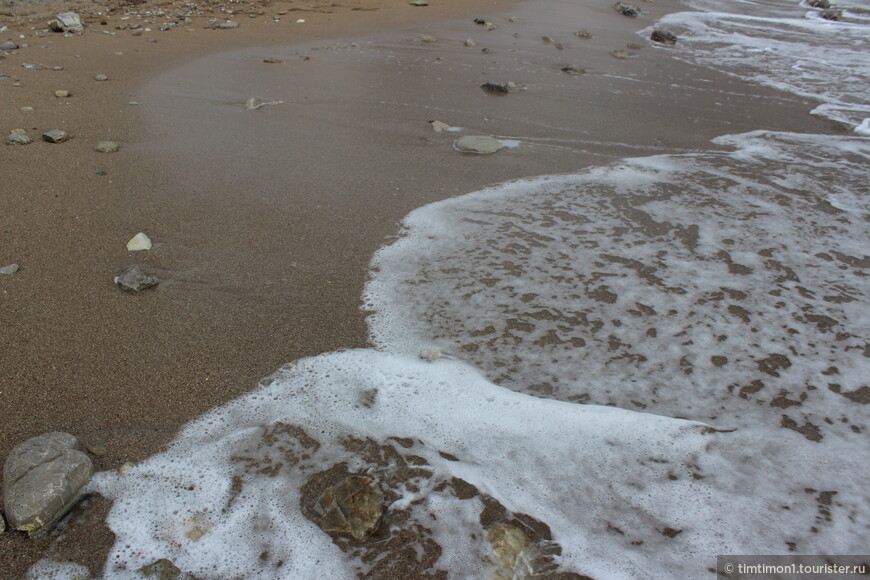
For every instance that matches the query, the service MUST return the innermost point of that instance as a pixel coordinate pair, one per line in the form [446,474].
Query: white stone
[139,242]
[482,144]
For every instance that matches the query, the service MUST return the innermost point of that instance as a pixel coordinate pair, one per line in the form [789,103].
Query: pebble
[663,37]
[626,9]
[481,144]
[135,279]
[620,54]
[10,269]
[573,69]
[55,136]
[107,147]
[469,42]
[29,66]
[419,3]
[61,94]
[101,78]
[8,45]
[428,39]
[139,242]
[494,89]
[18,139]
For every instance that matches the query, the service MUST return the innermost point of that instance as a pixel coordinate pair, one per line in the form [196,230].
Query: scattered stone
[55,136]
[620,54]
[494,89]
[351,507]
[57,68]
[29,66]
[135,279]
[42,479]
[273,60]
[833,14]
[626,9]
[8,45]
[107,147]
[663,37]
[61,94]
[438,127]
[559,46]
[419,3]
[820,3]
[26,109]
[573,69]
[139,242]
[163,569]
[18,139]
[222,25]
[101,78]
[253,104]
[490,26]
[584,34]
[480,21]
[430,355]
[469,42]
[69,22]
[10,269]
[481,144]
[428,39]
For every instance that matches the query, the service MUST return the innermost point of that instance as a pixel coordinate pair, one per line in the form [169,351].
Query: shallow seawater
[640,365]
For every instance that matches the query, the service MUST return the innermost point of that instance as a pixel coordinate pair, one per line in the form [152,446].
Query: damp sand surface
[265,220]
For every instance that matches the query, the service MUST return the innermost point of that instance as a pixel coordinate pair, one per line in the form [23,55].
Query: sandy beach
[265,222]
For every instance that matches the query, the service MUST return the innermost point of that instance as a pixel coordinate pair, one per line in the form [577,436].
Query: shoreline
[225,318]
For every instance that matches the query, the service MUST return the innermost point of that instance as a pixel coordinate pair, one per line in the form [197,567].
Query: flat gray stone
[481,144]
[8,45]
[135,279]
[42,479]
[18,139]
[107,147]
[55,136]
[10,269]
[101,78]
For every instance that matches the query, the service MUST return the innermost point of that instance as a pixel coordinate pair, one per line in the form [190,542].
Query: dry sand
[265,221]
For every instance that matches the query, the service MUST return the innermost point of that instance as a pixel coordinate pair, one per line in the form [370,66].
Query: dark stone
[626,9]
[135,279]
[832,14]
[494,89]
[663,37]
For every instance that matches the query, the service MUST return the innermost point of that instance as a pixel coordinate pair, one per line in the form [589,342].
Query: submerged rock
[135,279]
[832,14]
[513,553]
[42,479]
[626,9]
[163,569]
[55,136]
[820,3]
[353,506]
[482,144]
[663,37]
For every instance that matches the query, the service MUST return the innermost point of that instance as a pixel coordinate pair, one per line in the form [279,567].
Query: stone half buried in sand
[352,507]
[135,279]
[42,479]
[139,242]
[480,144]
[107,147]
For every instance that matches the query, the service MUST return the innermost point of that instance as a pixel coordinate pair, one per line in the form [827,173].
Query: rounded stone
[481,144]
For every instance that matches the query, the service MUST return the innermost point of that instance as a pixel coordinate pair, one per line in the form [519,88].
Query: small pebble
[55,136]
[101,78]
[107,147]
[10,269]
[18,139]
[61,94]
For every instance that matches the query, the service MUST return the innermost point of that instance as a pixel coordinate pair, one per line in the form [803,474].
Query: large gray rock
[42,479]
[69,22]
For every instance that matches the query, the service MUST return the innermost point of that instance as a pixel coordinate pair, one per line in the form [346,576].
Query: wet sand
[264,221]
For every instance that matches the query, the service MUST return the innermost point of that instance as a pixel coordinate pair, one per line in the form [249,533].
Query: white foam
[601,478]
[783,45]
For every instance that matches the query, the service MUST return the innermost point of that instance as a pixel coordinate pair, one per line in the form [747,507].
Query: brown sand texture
[264,222]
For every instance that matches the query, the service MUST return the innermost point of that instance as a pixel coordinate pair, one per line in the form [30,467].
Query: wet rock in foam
[352,507]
